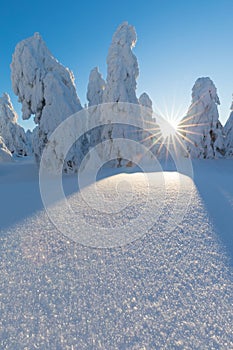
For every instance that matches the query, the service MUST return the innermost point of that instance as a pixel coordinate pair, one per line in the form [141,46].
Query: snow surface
[13,134]
[166,290]
[201,125]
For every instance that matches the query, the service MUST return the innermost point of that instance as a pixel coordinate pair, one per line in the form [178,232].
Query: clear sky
[178,41]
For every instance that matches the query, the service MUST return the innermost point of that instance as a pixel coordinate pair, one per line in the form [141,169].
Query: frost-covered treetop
[37,77]
[122,66]
[6,109]
[96,87]
[125,35]
[205,91]
[144,100]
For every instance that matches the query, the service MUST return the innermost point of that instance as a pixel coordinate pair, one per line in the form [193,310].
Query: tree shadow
[214,182]
[20,193]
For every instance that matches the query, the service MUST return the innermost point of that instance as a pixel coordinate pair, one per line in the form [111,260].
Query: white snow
[166,290]
[201,125]
[13,134]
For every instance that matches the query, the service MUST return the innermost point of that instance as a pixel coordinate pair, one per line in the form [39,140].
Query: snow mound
[201,127]
[14,135]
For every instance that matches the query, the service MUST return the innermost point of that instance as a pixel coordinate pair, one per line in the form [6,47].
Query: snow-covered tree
[122,66]
[5,154]
[228,132]
[145,101]
[29,137]
[95,89]
[46,90]
[201,127]
[14,135]
[122,72]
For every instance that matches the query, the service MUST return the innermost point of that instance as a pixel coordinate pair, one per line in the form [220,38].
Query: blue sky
[178,41]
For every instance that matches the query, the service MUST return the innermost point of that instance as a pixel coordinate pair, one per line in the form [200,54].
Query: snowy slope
[166,290]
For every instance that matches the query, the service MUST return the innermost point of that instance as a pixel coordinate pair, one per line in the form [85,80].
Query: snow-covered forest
[47,92]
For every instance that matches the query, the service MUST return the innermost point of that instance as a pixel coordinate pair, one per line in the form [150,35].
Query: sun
[171,132]
[166,135]
[168,128]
